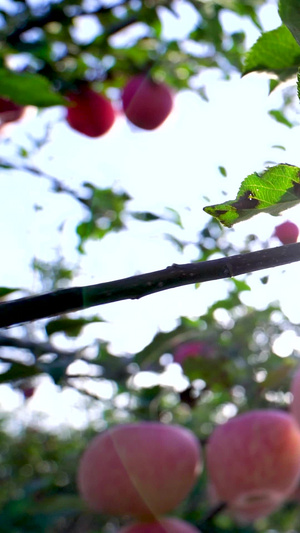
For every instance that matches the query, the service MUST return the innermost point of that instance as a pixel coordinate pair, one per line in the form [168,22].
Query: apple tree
[221,451]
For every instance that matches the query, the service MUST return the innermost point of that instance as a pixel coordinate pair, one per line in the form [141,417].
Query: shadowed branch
[78,298]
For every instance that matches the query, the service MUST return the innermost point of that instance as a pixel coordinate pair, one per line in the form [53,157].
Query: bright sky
[174,166]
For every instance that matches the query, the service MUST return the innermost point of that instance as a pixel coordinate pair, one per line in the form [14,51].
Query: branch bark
[78,298]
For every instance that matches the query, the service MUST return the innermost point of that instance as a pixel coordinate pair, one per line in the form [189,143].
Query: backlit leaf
[25,88]
[275,52]
[290,15]
[273,191]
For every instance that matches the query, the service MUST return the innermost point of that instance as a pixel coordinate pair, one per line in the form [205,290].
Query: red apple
[144,469]
[146,103]
[287,232]
[243,514]
[9,111]
[165,525]
[28,392]
[253,460]
[192,349]
[295,390]
[90,113]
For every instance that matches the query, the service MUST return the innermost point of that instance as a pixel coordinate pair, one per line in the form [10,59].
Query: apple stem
[212,513]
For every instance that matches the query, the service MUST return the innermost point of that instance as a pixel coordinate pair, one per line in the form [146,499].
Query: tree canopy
[229,356]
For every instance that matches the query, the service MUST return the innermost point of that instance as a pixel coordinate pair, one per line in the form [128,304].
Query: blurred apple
[253,461]
[28,392]
[192,349]
[287,232]
[242,514]
[9,111]
[143,470]
[146,103]
[165,525]
[90,113]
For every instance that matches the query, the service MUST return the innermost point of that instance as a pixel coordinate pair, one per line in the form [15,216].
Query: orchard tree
[221,453]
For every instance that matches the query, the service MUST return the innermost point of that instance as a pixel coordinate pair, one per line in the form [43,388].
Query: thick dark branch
[77,298]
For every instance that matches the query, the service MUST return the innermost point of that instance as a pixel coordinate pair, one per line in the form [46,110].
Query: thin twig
[78,298]
[212,513]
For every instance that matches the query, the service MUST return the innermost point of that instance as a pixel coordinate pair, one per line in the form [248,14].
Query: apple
[295,390]
[141,469]
[90,113]
[253,460]
[9,111]
[192,349]
[165,525]
[28,392]
[242,514]
[146,103]
[287,232]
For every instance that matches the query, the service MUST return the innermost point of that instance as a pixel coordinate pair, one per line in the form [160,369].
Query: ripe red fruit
[28,392]
[244,514]
[192,349]
[253,460]
[146,103]
[9,111]
[165,525]
[143,470]
[287,232]
[91,113]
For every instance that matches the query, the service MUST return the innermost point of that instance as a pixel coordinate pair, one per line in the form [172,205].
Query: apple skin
[9,111]
[91,113]
[253,460]
[287,232]
[243,514]
[142,469]
[295,390]
[146,103]
[28,392]
[165,525]
[192,349]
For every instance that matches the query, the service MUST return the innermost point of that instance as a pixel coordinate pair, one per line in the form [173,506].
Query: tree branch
[78,298]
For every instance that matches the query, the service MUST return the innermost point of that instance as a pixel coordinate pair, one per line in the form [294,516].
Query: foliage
[272,192]
[43,56]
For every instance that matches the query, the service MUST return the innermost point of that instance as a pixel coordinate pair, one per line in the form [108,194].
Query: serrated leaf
[290,15]
[275,51]
[25,88]
[276,189]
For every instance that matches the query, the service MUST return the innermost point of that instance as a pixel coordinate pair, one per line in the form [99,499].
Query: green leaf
[70,326]
[275,51]
[25,88]
[222,171]
[279,117]
[18,371]
[240,285]
[106,208]
[145,216]
[276,189]
[290,15]
[4,291]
